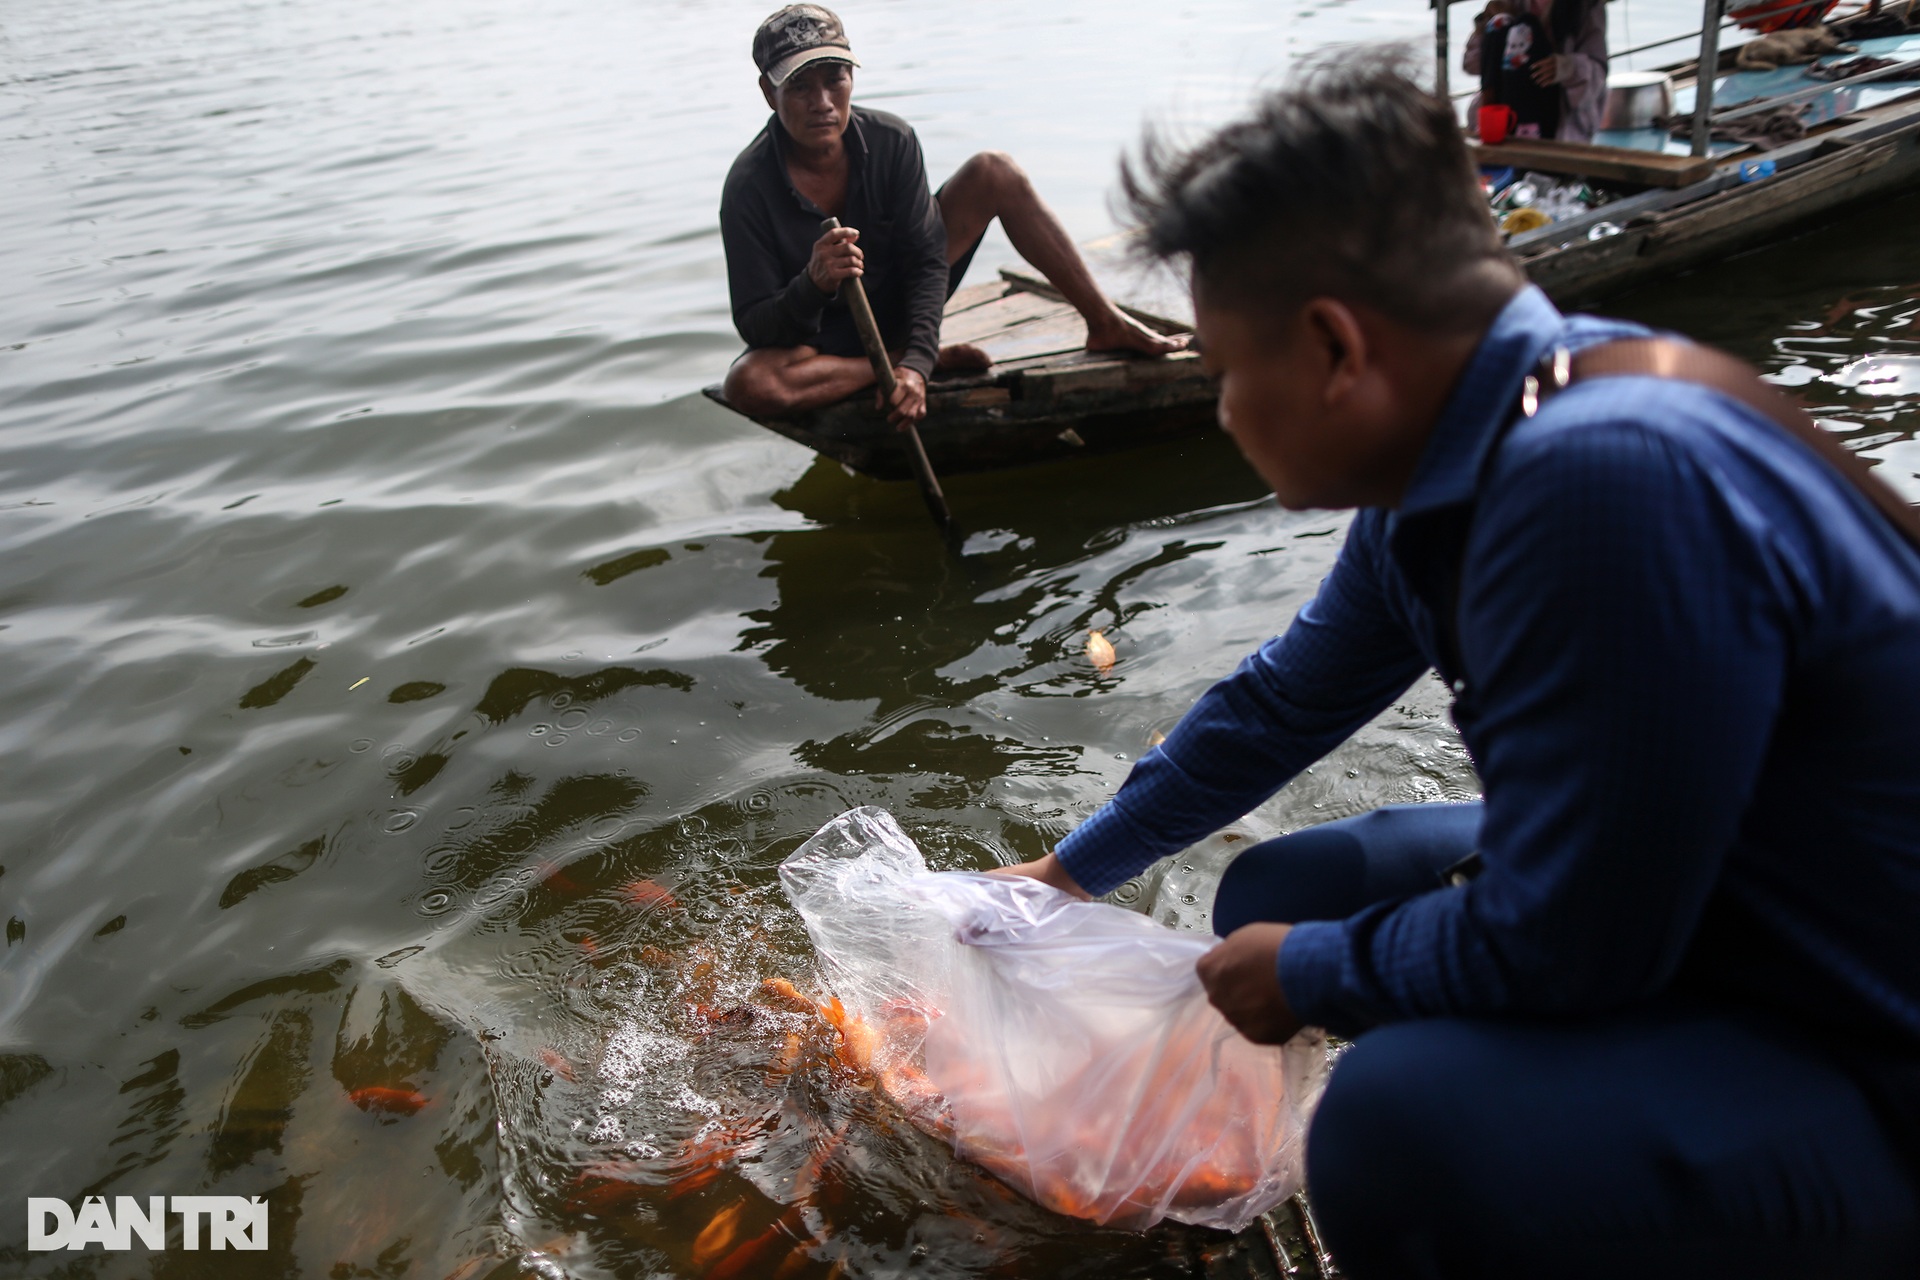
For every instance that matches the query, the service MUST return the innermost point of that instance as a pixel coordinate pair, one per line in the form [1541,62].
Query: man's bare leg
[771,382]
[990,186]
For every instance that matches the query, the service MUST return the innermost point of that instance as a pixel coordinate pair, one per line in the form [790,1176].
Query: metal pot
[1637,99]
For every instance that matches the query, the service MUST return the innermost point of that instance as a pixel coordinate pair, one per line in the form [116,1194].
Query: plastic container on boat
[1637,99]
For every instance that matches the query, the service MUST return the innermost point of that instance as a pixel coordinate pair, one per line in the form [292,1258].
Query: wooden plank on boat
[1588,160]
[1074,379]
[1155,320]
[1056,334]
[976,295]
[1743,204]
[999,316]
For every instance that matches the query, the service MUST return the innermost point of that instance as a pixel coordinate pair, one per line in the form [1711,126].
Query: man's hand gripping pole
[863,320]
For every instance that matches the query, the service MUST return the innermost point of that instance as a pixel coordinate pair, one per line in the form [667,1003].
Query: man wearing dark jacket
[820,157]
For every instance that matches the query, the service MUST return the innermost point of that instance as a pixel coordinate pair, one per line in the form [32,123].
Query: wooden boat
[1694,209]
[1047,398]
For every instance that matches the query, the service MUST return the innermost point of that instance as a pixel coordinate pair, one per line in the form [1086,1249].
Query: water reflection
[873,605]
[415,685]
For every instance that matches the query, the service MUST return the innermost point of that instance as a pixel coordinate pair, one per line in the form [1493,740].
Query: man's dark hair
[1350,182]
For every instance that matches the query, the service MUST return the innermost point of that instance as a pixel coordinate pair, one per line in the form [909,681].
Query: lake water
[413,683]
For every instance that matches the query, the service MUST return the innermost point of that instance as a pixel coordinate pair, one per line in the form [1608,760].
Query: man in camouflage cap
[820,157]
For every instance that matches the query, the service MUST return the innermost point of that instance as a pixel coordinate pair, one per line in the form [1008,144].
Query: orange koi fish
[1100,652]
[717,1238]
[780,991]
[379,1097]
[648,893]
[863,1050]
[786,1232]
[603,1189]
[555,879]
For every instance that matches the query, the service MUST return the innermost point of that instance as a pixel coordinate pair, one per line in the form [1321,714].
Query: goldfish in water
[379,1097]
[789,1059]
[648,893]
[783,992]
[1100,652]
[705,1158]
[717,1238]
[603,1189]
[555,879]
[872,1053]
[787,1234]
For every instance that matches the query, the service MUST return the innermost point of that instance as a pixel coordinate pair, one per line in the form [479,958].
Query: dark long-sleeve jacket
[1583,68]
[768,229]
[1687,665]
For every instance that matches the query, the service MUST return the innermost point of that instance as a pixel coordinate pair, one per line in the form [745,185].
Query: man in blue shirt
[1653,1008]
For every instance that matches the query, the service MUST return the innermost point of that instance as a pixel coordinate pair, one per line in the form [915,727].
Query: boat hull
[1031,410]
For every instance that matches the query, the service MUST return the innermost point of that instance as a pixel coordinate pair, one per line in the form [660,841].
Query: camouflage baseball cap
[797,35]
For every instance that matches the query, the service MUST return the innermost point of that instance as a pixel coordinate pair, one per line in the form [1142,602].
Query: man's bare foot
[1121,332]
[962,357]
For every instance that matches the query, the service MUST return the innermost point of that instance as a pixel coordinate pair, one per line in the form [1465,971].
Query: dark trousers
[1667,1141]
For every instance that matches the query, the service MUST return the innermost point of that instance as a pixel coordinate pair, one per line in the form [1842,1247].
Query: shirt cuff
[1311,962]
[805,289]
[921,362]
[1100,853]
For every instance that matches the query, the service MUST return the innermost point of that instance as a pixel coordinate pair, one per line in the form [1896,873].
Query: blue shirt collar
[1467,428]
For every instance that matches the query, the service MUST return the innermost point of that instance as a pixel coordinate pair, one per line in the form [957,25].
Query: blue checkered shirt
[1686,662]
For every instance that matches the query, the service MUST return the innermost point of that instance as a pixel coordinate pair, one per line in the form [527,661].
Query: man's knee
[998,175]
[1318,873]
[754,385]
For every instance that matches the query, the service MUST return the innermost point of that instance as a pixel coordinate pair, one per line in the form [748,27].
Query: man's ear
[766,91]
[1340,344]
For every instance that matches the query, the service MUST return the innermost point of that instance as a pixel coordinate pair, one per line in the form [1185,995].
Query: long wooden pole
[883,371]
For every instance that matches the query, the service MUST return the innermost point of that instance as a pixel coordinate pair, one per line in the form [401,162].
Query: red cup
[1496,122]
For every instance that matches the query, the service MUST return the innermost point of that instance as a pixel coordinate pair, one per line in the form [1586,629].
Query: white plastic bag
[1066,1046]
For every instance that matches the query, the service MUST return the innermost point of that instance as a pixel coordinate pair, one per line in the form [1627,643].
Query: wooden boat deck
[1045,397]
